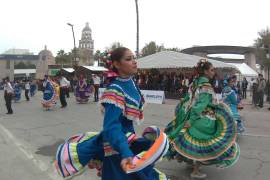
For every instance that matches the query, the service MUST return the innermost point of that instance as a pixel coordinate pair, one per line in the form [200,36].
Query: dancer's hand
[187,125]
[127,161]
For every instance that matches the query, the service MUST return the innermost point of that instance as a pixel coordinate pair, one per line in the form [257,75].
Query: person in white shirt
[8,92]
[27,89]
[64,85]
[96,81]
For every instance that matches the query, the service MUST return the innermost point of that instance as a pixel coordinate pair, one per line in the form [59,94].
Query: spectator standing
[96,81]
[155,84]
[64,84]
[169,82]
[186,82]
[260,90]
[254,87]
[244,88]
[26,90]
[163,83]
[217,85]
[8,93]
[147,85]
[175,83]
[33,88]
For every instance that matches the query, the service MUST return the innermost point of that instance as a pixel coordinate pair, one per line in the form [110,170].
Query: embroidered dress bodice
[123,104]
[124,94]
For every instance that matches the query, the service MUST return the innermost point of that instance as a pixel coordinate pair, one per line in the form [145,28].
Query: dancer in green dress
[203,131]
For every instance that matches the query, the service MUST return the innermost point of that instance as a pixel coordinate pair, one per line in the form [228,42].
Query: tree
[176,49]
[24,65]
[20,65]
[114,46]
[151,48]
[29,65]
[97,55]
[261,44]
[63,58]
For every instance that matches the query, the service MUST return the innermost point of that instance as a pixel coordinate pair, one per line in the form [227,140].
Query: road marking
[40,164]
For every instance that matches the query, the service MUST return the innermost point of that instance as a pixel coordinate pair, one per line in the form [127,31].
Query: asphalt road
[29,139]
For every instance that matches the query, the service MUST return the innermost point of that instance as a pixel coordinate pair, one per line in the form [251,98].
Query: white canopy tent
[175,60]
[69,70]
[245,70]
[96,68]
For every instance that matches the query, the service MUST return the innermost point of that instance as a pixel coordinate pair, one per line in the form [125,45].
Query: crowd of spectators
[171,83]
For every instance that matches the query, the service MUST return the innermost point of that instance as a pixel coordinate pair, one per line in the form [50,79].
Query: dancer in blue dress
[230,98]
[116,146]
[17,91]
[33,88]
[50,94]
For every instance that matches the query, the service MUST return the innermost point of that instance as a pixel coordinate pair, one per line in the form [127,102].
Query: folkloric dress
[50,94]
[17,92]
[122,104]
[230,98]
[33,89]
[83,91]
[210,138]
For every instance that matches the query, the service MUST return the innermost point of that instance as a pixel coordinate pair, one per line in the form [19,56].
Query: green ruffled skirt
[208,141]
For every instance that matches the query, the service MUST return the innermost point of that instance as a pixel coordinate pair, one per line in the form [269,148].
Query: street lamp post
[75,55]
[137,14]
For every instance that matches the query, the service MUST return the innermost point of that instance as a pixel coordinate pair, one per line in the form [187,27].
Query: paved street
[29,138]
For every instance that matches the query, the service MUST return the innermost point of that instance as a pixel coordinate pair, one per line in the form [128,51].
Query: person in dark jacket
[244,88]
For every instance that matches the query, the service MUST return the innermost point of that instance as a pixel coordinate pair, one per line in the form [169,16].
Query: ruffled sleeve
[113,95]
[113,102]
[229,96]
[112,131]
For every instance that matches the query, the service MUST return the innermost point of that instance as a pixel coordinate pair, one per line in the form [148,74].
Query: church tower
[86,46]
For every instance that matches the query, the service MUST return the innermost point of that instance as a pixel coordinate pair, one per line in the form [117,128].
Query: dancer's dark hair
[203,65]
[117,55]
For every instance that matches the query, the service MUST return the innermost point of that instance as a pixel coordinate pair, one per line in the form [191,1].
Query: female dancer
[203,131]
[33,88]
[230,98]
[83,90]
[237,90]
[17,91]
[50,94]
[116,144]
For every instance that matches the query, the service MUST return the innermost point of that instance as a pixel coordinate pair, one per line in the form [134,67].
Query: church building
[86,47]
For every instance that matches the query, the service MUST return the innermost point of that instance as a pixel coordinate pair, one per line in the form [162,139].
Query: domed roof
[86,28]
[45,52]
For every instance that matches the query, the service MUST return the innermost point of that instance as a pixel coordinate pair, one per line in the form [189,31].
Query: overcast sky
[31,24]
